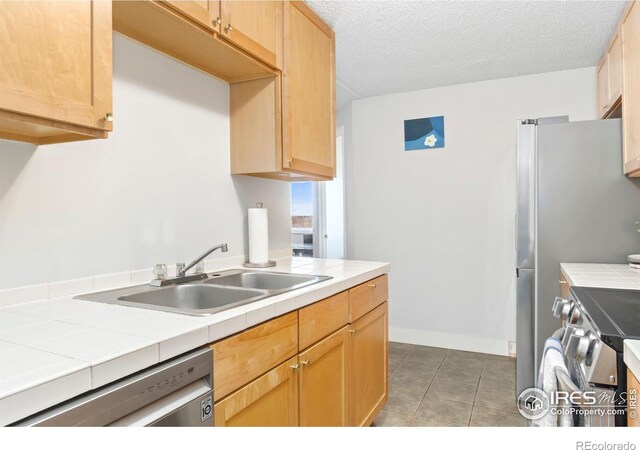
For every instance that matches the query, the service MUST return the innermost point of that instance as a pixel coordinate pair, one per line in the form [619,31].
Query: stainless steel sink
[220,291]
[271,281]
[193,298]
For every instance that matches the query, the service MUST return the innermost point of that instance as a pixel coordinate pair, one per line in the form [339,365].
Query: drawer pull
[372,285]
[563,282]
[353,332]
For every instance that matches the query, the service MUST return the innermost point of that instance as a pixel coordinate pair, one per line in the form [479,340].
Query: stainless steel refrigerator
[574,205]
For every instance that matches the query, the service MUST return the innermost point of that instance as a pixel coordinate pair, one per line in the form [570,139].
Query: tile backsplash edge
[43,291]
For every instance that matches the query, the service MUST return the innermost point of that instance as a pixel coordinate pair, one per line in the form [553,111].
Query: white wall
[445,218]
[158,190]
[334,211]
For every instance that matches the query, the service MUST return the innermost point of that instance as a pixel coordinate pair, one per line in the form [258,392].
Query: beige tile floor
[431,386]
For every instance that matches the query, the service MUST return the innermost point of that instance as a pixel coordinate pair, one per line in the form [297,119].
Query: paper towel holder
[270,263]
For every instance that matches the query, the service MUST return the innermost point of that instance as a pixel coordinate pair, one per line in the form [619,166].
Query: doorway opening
[317,213]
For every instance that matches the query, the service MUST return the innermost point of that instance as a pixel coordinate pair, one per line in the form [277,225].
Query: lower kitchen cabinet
[324,378]
[269,401]
[310,367]
[369,366]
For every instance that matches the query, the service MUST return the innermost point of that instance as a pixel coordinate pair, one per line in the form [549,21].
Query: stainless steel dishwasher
[173,393]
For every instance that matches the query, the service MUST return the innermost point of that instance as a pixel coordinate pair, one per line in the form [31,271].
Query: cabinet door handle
[605,107]
[216,21]
[108,117]
[228,29]
[305,363]
[353,332]
[295,367]
[563,282]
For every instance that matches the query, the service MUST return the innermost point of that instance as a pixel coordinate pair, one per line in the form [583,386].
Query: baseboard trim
[448,340]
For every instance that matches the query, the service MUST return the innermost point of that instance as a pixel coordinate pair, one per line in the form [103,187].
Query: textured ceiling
[392,46]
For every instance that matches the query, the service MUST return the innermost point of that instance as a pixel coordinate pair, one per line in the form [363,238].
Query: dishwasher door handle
[190,406]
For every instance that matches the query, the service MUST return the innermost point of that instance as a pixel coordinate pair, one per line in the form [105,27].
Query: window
[302,218]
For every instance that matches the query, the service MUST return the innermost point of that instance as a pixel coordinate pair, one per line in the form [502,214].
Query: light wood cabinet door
[60,66]
[369,366]
[256,26]
[602,80]
[309,92]
[614,61]
[269,401]
[324,382]
[631,88]
[204,12]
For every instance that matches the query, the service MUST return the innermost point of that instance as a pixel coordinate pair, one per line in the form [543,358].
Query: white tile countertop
[610,276]
[54,349]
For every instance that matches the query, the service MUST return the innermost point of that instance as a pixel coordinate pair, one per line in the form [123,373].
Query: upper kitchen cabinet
[189,31]
[284,127]
[255,26]
[205,12]
[609,79]
[57,86]
[631,89]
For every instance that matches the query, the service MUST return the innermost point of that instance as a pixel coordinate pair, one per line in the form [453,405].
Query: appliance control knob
[575,316]
[577,344]
[568,332]
[561,306]
[591,347]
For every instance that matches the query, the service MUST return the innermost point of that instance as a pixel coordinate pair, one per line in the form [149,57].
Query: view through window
[302,210]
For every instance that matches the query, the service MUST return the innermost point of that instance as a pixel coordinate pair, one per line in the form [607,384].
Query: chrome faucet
[181,270]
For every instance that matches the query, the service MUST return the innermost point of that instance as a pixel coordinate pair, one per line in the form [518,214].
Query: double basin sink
[220,291]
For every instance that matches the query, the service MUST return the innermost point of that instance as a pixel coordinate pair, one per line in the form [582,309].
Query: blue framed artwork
[421,134]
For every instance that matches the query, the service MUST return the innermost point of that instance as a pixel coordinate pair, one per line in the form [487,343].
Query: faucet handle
[160,271]
[180,269]
[198,268]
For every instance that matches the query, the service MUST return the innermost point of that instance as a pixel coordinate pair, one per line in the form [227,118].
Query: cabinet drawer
[365,297]
[247,355]
[323,318]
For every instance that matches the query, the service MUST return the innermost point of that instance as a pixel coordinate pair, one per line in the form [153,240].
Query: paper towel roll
[258,236]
